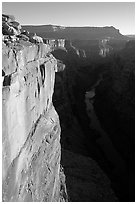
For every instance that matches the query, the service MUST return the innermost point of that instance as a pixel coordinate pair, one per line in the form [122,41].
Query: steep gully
[84,181]
[106,145]
[98,143]
[102,148]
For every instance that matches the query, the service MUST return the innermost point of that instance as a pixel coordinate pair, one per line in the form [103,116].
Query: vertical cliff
[33,162]
[30,124]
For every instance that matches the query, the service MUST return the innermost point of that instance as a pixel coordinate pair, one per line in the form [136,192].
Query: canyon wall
[30,125]
[34,162]
[113,77]
[75,33]
[85,180]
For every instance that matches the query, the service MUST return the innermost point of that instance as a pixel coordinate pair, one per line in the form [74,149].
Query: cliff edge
[30,124]
[33,166]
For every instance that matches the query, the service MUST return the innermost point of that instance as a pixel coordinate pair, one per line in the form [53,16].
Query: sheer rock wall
[31,129]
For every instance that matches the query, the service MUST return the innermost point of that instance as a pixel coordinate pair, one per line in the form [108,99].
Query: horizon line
[84,26]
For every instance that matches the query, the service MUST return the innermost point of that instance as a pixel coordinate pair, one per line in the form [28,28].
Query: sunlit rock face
[55,43]
[104,47]
[30,129]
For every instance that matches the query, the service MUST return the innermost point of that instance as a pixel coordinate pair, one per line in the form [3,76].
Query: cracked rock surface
[31,129]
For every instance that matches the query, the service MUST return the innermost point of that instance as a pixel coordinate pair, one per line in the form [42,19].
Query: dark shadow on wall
[75,144]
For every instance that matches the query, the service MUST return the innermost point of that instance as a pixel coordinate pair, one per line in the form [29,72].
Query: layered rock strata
[30,124]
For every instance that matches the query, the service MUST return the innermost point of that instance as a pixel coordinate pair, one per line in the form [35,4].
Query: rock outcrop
[31,128]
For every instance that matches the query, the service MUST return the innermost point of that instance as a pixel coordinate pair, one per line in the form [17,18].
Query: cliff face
[91,42]
[32,159]
[31,129]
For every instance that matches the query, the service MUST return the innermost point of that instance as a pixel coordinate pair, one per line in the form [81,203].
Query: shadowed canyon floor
[113,74]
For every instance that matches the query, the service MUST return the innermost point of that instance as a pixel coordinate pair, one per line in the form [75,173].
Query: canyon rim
[68,104]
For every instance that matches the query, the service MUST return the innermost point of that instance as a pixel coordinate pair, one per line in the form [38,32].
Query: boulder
[25,32]
[8,18]
[10,26]
[16,25]
[23,37]
[38,39]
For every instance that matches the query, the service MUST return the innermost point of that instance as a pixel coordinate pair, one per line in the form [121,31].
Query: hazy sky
[118,14]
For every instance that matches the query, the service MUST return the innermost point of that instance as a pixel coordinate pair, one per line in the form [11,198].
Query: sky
[121,15]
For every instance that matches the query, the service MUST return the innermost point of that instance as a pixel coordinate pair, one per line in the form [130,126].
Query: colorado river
[104,141]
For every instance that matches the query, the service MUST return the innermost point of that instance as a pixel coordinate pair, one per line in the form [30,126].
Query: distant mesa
[73,33]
